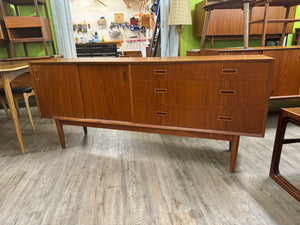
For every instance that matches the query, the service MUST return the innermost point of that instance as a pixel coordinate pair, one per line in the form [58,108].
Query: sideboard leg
[85,130]
[234,146]
[60,131]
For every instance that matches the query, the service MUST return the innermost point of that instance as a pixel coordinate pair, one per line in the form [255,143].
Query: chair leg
[203,36]
[26,96]
[4,107]
[264,31]
[284,26]
[17,107]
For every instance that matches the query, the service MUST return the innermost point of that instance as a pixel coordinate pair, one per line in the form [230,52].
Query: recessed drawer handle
[160,72]
[225,118]
[160,91]
[227,92]
[229,71]
[158,113]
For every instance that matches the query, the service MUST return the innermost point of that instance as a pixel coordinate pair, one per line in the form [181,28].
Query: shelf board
[37,39]
[24,2]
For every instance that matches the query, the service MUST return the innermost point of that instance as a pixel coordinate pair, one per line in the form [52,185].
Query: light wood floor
[127,178]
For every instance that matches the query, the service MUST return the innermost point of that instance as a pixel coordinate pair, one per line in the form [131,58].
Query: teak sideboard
[215,97]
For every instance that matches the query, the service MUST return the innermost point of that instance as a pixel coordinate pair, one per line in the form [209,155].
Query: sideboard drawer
[212,118]
[202,71]
[202,93]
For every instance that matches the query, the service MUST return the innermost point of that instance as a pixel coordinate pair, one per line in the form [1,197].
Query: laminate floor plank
[116,177]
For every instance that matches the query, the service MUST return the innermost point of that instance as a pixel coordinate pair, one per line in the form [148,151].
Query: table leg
[11,104]
[234,146]
[60,131]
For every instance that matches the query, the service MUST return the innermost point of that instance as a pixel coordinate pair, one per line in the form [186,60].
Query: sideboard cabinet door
[58,90]
[105,91]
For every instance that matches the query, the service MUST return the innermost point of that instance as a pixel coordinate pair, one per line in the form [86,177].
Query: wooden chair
[266,3]
[22,93]
[290,115]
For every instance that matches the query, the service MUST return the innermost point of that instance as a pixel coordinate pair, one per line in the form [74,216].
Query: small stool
[291,115]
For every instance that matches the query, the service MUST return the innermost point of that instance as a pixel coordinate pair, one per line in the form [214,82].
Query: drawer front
[242,120]
[251,94]
[201,71]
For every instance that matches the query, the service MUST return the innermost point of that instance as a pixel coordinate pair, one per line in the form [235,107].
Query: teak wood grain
[286,78]
[208,97]
[105,92]
[229,22]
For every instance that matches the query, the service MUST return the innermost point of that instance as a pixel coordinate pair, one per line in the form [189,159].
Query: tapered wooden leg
[234,146]
[284,26]
[10,101]
[4,107]
[60,131]
[26,96]
[264,31]
[17,107]
[85,130]
[203,36]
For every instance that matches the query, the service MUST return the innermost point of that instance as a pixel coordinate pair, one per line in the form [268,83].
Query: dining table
[8,72]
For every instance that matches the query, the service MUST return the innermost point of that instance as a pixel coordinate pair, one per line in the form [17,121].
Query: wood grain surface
[116,177]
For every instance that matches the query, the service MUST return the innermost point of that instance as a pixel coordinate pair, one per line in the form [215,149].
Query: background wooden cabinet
[229,22]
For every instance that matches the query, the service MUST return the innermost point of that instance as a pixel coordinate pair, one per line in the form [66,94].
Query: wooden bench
[291,115]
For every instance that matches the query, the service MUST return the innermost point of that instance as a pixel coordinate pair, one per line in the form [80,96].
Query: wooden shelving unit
[296,39]
[25,29]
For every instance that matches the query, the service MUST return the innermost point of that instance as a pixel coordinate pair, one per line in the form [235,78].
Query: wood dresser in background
[212,97]
[286,78]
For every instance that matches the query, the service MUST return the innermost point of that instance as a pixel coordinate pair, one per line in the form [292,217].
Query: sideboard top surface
[158,60]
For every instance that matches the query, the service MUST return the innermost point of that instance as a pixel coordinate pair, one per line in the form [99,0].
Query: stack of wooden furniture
[25,29]
[212,97]
[227,24]
[287,4]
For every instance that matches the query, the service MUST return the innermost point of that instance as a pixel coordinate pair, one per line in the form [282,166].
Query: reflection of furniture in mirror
[25,29]
[227,24]
[285,20]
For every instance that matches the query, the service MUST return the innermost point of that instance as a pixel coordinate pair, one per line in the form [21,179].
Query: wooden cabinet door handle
[227,92]
[36,76]
[160,90]
[125,76]
[160,72]
[159,113]
[229,71]
[225,118]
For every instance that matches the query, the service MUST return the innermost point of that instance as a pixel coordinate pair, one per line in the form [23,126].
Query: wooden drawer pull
[227,92]
[225,118]
[229,71]
[158,113]
[160,72]
[160,91]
